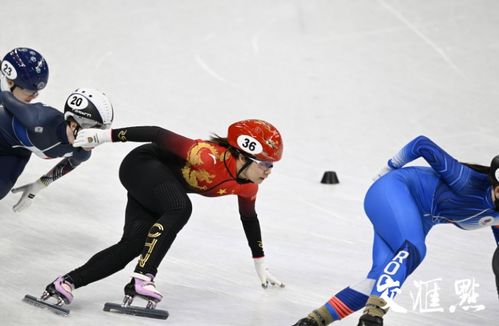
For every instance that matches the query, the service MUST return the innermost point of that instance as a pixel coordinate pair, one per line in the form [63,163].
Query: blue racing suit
[403,205]
[33,128]
[406,203]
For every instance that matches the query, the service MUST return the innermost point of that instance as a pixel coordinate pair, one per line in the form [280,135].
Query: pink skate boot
[142,286]
[61,289]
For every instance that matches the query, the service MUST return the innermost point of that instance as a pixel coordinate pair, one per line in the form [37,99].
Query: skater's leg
[177,209]
[160,192]
[398,226]
[138,220]
[397,218]
[352,298]
[342,304]
[398,223]
[12,167]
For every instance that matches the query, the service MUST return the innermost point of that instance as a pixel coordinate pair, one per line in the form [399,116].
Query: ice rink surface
[348,83]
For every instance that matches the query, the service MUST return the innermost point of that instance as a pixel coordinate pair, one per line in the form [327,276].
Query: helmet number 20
[77,102]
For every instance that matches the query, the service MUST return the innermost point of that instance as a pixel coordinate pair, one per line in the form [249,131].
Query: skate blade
[37,302]
[136,311]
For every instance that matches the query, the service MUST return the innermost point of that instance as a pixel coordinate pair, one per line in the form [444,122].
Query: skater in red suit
[158,176]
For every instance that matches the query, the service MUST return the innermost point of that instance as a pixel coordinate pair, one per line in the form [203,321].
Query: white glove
[264,274]
[92,137]
[382,172]
[28,193]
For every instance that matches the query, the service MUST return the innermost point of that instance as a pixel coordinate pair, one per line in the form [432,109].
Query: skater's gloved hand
[92,137]
[28,193]
[263,273]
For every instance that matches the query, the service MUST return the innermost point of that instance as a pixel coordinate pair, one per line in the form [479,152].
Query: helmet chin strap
[76,130]
[244,167]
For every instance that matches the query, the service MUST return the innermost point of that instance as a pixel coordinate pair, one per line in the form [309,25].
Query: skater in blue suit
[403,205]
[27,128]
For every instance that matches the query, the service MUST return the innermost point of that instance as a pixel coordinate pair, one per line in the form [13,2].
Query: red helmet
[257,138]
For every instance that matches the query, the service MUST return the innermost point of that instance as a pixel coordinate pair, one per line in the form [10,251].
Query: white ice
[348,82]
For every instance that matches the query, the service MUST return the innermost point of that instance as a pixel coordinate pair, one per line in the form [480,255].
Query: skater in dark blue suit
[49,133]
[403,205]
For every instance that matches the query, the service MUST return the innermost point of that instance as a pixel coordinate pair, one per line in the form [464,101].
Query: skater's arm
[455,174]
[251,226]
[65,166]
[253,233]
[165,139]
[30,190]
[27,114]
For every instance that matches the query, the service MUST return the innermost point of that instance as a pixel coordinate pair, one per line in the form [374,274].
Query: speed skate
[141,286]
[149,311]
[41,302]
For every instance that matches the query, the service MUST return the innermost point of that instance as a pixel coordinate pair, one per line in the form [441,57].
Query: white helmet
[90,108]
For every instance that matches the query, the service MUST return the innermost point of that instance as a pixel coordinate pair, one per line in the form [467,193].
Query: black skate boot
[306,322]
[368,320]
[374,312]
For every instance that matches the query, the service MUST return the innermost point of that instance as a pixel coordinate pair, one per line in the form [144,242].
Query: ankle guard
[321,316]
[374,306]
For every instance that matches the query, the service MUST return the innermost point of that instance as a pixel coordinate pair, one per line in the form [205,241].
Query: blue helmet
[26,68]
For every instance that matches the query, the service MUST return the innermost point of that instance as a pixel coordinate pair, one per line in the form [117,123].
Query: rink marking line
[414,28]
[208,69]
[213,73]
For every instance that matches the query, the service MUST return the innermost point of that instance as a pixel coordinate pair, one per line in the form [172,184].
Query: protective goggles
[85,123]
[262,164]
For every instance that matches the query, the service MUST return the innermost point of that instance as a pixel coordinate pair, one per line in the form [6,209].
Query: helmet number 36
[249,144]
